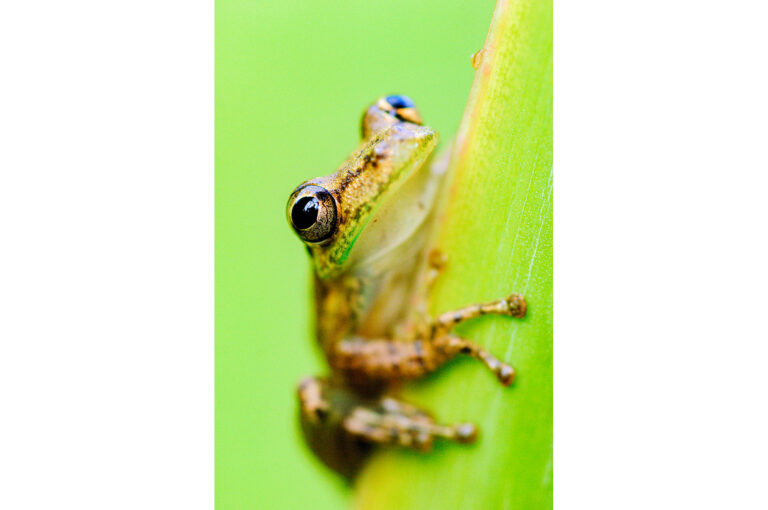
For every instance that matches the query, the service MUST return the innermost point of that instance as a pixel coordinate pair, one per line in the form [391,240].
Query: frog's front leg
[513,305]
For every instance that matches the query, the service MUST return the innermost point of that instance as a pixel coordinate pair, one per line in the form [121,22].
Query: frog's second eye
[401,107]
[312,213]
[398,101]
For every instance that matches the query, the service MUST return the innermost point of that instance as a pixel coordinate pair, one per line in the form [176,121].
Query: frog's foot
[516,306]
[394,422]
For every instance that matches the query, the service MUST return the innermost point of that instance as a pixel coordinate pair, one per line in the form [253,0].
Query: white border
[660,250]
[106,204]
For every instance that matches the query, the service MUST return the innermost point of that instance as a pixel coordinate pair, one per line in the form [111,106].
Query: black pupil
[304,213]
[398,101]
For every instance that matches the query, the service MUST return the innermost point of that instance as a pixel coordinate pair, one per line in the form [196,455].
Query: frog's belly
[391,291]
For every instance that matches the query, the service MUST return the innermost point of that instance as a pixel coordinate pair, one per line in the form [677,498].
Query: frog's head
[364,208]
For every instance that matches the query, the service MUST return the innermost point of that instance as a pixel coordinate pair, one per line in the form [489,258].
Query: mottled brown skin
[370,312]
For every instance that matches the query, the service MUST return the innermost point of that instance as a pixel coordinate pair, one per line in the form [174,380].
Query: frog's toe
[516,305]
[466,433]
[506,374]
[437,259]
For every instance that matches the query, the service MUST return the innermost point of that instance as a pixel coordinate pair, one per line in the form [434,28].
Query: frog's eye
[399,101]
[312,213]
[401,107]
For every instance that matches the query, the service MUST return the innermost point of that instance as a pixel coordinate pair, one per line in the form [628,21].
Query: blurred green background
[292,79]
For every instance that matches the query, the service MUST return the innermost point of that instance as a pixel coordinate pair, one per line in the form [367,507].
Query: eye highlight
[304,213]
[312,213]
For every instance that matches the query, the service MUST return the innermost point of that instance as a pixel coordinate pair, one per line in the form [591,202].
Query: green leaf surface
[497,233]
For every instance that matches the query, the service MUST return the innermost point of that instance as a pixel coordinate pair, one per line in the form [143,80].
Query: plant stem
[497,234]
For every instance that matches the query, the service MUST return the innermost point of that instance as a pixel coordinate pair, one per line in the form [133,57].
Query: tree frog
[367,228]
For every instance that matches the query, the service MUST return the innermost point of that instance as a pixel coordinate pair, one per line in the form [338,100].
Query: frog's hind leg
[323,407]
[342,427]
[393,422]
